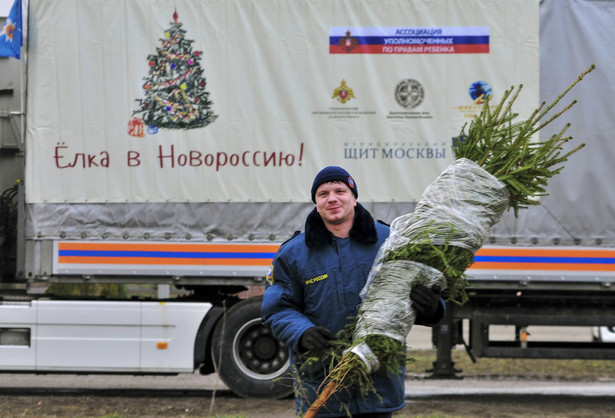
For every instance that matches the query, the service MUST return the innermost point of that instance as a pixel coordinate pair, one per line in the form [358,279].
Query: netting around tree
[456,210]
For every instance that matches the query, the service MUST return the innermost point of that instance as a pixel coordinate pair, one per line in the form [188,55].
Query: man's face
[335,202]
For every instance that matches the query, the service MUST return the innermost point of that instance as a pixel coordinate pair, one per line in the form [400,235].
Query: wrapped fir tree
[499,166]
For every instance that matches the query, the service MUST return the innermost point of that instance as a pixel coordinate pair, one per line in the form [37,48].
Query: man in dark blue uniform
[313,290]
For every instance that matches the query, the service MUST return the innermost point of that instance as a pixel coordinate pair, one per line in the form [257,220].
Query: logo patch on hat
[351,182]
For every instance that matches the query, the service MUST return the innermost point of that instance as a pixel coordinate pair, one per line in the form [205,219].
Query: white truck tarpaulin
[245,100]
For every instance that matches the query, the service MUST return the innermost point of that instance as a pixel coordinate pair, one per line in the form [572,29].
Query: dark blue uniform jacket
[316,280]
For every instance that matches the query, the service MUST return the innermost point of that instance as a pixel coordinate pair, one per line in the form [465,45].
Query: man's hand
[316,338]
[425,301]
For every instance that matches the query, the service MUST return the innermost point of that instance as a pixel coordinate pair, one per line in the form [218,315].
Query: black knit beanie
[333,173]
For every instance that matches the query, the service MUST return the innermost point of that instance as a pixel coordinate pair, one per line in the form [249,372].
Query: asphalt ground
[416,386]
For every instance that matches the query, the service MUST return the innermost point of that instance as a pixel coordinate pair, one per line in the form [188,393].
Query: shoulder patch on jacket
[269,277]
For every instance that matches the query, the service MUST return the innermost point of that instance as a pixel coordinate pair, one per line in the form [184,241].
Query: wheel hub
[260,352]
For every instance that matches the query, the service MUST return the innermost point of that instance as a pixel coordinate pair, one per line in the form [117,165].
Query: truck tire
[248,358]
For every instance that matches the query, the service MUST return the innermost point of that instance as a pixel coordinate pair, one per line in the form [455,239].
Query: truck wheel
[248,358]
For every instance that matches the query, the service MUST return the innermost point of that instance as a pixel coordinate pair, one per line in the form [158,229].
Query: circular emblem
[351,182]
[409,93]
[480,91]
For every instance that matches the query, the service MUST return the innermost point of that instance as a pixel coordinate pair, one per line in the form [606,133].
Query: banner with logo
[246,100]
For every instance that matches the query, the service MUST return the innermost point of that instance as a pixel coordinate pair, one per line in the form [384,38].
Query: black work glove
[315,338]
[426,301]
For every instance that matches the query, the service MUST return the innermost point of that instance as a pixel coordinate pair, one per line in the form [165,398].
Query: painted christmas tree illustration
[175,94]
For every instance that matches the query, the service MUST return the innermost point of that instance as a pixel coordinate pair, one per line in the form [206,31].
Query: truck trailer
[553,266]
[173,144]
